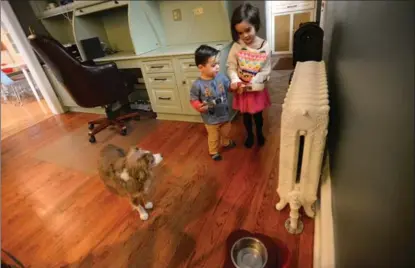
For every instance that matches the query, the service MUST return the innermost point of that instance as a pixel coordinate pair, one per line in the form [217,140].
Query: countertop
[176,50]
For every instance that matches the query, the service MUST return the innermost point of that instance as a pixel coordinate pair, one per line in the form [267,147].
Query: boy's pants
[218,135]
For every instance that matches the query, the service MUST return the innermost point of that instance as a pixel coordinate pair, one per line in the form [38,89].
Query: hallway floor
[15,118]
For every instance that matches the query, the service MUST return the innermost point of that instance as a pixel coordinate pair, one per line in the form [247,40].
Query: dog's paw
[144,216]
[148,205]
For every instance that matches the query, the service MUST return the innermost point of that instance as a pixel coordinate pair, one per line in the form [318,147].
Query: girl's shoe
[261,140]
[231,145]
[249,142]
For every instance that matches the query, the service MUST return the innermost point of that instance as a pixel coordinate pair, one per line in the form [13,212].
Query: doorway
[22,103]
[283,19]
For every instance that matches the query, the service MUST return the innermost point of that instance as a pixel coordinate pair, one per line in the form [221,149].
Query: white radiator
[304,124]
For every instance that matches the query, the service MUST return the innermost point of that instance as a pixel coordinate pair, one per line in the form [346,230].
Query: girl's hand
[241,88]
[234,86]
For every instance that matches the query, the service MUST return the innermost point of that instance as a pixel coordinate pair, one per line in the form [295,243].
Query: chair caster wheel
[123,132]
[91,126]
[92,139]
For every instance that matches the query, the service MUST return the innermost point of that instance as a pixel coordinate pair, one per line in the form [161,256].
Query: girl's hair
[245,12]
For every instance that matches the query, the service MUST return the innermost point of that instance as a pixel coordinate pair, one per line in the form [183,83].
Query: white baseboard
[323,227]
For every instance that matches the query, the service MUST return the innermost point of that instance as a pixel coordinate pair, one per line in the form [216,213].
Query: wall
[213,25]
[260,5]
[369,47]
[26,17]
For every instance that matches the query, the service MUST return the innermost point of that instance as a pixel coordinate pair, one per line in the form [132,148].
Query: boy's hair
[203,53]
[245,12]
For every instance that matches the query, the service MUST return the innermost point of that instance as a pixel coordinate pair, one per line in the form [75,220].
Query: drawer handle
[192,65]
[163,98]
[81,11]
[157,66]
[160,79]
[292,6]
[116,2]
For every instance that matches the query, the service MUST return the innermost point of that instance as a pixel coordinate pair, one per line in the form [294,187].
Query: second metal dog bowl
[249,252]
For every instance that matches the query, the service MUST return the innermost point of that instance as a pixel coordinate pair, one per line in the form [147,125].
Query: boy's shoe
[216,157]
[231,145]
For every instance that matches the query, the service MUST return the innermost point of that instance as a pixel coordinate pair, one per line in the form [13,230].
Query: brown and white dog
[129,174]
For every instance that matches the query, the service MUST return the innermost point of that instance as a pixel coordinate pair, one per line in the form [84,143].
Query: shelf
[100,7]
[68,8]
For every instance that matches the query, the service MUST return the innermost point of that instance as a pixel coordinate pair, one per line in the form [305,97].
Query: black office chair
[90,85]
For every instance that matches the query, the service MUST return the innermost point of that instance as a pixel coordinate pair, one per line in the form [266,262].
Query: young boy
[208,96]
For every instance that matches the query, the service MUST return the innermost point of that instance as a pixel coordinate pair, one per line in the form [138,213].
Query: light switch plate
[177,15]
[198,11]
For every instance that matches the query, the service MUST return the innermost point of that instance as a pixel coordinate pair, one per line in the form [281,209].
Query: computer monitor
[92,48]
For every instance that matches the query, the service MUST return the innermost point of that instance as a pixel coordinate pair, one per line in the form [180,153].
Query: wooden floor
[15,118]
[54,216]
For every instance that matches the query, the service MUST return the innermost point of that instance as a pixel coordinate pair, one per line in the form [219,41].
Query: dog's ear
[134,154]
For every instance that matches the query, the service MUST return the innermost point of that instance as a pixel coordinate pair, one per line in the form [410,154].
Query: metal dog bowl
[249,252]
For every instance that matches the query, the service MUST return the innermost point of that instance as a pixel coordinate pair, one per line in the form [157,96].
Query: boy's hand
[203,107]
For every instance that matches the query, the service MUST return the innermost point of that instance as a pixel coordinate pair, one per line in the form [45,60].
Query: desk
[168,74]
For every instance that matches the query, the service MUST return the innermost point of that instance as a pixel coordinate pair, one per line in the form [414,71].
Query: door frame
[13,27]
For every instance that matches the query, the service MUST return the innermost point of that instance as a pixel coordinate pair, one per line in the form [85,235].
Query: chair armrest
[104,70]
[89,63]
[107,77]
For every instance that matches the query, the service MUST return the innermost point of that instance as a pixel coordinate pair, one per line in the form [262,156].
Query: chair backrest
[83,82]
[5,80]
[308,43]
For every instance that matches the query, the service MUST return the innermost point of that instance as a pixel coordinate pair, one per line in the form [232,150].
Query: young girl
[249,65]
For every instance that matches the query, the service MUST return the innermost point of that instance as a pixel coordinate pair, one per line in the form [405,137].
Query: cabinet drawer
[100,7]
[161,81]
[287,6]
[188,65]
[162,66]
[166,101]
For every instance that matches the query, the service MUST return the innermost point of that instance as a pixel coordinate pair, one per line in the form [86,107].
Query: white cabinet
[286,17]
[168,81]
[187,82]
[161,85]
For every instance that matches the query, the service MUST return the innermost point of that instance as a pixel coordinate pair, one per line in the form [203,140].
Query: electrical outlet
[177,15]
[198,11]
